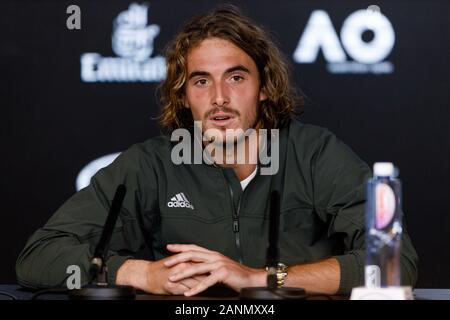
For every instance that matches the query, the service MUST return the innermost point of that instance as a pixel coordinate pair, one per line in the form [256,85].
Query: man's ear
[262,94]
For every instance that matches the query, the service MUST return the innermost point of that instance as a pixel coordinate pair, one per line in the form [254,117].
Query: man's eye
[201,82]
[237,78]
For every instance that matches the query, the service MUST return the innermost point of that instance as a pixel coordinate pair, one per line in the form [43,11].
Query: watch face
[281,274]
[281,266]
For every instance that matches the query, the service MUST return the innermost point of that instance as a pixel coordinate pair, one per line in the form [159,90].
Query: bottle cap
[383,169]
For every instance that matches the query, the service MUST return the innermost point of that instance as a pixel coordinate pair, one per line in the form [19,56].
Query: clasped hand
[200,268]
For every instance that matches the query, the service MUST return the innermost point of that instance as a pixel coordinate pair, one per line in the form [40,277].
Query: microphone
[272,248]
[271,291]
[98,287]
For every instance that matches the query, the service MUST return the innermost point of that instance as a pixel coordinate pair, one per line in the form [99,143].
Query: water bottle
[383,227]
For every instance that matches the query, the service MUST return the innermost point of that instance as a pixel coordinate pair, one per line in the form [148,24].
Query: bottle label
[372,276]
[385,205]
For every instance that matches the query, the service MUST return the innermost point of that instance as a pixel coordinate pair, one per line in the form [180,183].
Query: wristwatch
[280,271]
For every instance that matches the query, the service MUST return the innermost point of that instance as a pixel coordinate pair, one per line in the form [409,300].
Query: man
[185,227]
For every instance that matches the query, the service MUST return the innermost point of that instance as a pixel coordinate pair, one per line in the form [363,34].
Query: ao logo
[319,34]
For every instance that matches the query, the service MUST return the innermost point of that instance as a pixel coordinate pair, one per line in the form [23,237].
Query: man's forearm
[321,277]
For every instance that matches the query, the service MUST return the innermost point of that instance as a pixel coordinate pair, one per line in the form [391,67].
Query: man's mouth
[221,119]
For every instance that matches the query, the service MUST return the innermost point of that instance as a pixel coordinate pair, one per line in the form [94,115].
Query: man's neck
[242,169]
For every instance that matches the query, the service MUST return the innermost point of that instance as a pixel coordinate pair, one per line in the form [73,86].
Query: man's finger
[185,247]
[205,284]
[197,269]
[195,256]
[176,288]
[188,283]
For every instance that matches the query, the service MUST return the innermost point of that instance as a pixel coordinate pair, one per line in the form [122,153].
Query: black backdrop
[53,123]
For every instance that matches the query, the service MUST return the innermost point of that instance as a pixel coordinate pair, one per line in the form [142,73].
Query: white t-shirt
[247,180]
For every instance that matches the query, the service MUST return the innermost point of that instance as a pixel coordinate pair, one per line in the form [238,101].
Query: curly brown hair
[229,24]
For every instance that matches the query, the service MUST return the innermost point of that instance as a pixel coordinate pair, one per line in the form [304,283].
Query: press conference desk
[19,293]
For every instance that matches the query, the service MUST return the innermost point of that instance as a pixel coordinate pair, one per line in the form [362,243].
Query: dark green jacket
[322,211]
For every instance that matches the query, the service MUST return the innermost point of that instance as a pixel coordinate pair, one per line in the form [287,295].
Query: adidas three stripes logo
[180,201]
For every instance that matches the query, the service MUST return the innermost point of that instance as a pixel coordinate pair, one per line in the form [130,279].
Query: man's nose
[220,95]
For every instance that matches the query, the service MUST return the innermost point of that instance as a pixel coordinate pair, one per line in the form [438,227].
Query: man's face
[222,86]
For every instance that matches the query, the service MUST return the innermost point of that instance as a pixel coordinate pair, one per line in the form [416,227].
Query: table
[13,290]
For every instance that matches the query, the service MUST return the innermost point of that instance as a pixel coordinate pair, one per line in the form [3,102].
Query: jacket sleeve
[71,234]
[340,190]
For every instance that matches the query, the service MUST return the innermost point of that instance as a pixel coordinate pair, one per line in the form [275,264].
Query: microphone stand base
[264,293]
[108,292]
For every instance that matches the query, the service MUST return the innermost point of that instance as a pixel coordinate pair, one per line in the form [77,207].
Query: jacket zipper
[236,218]
[236,222]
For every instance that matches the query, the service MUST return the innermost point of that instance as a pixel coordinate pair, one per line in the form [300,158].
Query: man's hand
[217,267]
[152,276]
